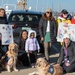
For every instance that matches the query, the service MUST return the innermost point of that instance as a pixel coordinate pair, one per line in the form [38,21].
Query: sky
[42,5]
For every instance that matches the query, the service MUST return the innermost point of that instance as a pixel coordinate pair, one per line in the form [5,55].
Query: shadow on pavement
[53,59]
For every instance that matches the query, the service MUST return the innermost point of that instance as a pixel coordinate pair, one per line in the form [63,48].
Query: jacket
[21,44]
[43,27]
[73,21]
[61,19]
[31,43]
[71,54]
[3,20]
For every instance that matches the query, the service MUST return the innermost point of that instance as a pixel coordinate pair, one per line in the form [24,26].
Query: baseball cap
[64,11]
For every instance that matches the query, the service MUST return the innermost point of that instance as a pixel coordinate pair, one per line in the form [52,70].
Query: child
[22,57]
[32,46]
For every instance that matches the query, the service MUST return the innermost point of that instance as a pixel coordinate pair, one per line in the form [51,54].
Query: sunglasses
[48,12]
[32,35]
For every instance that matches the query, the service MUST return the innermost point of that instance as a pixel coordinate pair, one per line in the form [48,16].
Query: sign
[66,28]
[7,34]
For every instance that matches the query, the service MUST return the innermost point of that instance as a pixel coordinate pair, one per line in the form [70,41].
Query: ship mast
[22,4]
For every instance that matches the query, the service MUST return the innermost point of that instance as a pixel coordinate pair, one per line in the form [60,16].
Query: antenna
[36,4]
[52,6]
[2,3]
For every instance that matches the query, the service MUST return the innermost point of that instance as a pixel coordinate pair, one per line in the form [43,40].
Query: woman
[22,40]
[64,18]
[67,54]
[47,30]
[21,45]
[3,17]
[3,20]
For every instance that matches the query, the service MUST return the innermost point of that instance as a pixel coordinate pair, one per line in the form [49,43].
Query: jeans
[33,57]
[47,46]
[70,68]
[5,48]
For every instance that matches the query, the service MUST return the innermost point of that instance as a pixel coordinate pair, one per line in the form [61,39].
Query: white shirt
[48,26]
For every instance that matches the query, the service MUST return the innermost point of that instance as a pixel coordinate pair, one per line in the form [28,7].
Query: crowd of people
[48,26]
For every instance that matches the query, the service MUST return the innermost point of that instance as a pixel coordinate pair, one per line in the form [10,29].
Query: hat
[31,31]
[48,10]
[64,11]
[66,36]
